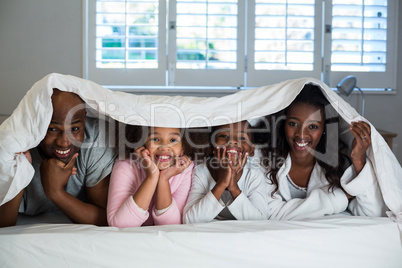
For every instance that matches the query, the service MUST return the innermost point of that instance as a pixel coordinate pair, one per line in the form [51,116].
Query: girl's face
[236,138]
[303,128]
[164,144]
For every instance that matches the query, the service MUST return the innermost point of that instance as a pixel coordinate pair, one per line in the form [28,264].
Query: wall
[37,38]
[45,36]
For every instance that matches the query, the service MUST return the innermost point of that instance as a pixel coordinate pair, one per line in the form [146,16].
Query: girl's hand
[224,171]
[145,160]
[240,165]
[181,163]
[236,172]
[362,133]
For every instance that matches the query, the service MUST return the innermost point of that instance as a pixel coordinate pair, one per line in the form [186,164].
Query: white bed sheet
[332,241]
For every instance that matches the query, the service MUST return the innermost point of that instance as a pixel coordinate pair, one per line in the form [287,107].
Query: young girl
[227,187]
[153,187]
[311,180]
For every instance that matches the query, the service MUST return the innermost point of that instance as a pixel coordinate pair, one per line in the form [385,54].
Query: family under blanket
[290,165]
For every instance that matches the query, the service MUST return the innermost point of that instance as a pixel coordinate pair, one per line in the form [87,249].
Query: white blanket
[332,241]
[27,126]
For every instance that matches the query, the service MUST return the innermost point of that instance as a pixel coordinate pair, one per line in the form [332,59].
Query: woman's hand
[362,133]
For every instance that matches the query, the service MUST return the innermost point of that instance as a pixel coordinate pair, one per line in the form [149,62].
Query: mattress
[331,241]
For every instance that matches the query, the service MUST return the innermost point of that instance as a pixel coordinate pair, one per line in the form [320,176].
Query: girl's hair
[133,136]
[329,153]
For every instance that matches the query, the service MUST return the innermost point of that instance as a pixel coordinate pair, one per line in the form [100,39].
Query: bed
[331,241]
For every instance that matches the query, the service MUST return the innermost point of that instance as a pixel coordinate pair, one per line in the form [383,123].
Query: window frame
[264,77]
[166,78]
[150,77]
[385,80]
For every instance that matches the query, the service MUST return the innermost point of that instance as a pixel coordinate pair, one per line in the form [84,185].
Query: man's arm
[55,175]
[93,212]
[9,211]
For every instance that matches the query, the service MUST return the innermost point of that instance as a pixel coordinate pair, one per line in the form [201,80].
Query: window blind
[232,43]
[284,35]
[206,36]
[359,35]
[126,34]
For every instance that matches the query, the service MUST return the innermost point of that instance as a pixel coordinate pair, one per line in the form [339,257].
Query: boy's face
[164,144]
[236,138]
[66,130]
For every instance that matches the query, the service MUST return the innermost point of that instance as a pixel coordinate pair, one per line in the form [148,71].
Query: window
[126,42]
[362,42]
[234,43]
[126,34]
[284,40]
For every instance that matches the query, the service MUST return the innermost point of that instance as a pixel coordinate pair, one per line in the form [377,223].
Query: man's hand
[28,156]
[55,175]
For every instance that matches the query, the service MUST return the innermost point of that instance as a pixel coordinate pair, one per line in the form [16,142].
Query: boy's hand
[55,175]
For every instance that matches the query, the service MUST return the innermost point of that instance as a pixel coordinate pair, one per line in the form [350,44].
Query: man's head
[66,129]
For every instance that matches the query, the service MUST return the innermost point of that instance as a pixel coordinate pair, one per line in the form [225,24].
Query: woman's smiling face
[164,144]
[303,128]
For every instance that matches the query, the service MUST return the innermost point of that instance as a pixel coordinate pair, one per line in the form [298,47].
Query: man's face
[66,129]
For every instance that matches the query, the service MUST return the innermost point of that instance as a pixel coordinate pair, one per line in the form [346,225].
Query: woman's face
[303,128]
[164,144]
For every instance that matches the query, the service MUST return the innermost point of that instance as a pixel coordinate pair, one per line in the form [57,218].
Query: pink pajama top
[125,180]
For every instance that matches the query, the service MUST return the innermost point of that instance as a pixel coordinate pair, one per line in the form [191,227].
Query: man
[72,168]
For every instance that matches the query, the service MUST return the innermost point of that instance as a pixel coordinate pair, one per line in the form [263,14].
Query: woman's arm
[320,202]
[364,187]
